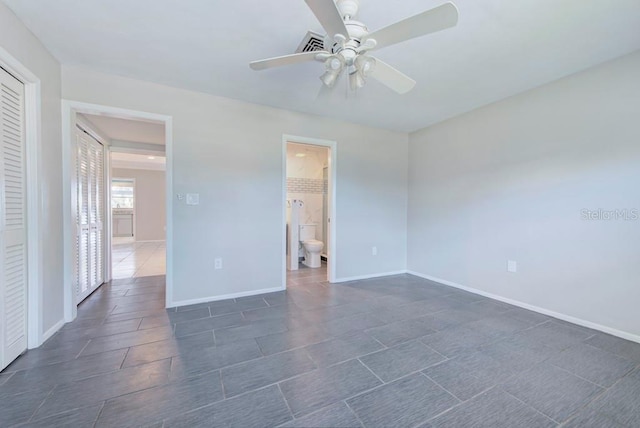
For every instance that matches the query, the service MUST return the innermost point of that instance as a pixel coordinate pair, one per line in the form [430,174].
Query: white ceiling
[136,131]
[307,150]
[136,161]
[498,49]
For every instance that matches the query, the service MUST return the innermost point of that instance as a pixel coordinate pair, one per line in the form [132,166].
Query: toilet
[312,247]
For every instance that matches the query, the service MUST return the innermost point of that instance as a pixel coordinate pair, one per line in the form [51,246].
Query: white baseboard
[373,275]
[223,297]
[53,330]
[615,332]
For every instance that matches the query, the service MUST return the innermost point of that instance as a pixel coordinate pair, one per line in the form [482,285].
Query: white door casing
[13,221]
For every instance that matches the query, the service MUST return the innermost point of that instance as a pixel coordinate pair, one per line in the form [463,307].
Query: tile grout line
[359,393]
[529,405]
[95,422]
[604,388]
[354,412]
[601,394]
[371,371]
[443,388]
[82,350]
[286,402]
[434,417]
[9,377]
[446,358]
[42,403]
[224,392]
[126,354]
[392,381]
[317,369]
[376,339]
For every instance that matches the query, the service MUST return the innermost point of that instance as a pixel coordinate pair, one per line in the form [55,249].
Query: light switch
[193,199]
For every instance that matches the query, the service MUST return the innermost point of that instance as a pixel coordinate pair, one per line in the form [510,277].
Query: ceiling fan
[348,43]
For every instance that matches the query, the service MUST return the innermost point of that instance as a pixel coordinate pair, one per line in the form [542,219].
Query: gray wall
[150,196]
[231,153]
[22,45]
[509,182]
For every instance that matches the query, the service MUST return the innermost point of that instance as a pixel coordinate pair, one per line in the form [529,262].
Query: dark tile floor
[389,352]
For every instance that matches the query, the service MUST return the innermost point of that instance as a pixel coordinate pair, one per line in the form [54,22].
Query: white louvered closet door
[13,219]
[90,215]
[96,249]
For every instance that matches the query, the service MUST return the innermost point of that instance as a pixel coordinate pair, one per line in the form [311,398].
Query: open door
[90,240]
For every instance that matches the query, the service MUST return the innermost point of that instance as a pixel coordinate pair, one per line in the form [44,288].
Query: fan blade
[285,60]
[439,18]
[391,77]
[329,17]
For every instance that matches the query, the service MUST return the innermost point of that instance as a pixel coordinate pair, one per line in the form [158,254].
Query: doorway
[138,215]
[309,210]
[144,139]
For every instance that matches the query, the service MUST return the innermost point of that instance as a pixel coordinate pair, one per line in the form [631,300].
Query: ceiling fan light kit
[348,42]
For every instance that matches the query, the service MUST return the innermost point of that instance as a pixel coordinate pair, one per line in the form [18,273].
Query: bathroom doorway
[309,211]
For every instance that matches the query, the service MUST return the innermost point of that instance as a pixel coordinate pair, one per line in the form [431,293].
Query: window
[122,193]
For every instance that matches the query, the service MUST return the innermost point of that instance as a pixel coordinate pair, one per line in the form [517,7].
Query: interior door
[13,242]
[90,252]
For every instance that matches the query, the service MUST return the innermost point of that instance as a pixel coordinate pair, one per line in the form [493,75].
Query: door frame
[70,109]
[333,167]
[33,141]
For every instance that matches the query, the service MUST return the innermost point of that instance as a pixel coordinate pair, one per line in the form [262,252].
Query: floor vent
[311,42]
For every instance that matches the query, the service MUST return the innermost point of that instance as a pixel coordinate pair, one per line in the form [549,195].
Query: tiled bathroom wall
[306,185]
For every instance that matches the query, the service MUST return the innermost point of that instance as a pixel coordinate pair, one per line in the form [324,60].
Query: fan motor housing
[357,30]
[348,7]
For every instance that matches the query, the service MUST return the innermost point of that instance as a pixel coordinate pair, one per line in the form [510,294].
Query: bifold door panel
[90,241]
[13,221]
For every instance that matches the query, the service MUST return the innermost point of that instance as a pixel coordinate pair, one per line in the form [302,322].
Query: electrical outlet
[512,266]
[374,251]
[217,263]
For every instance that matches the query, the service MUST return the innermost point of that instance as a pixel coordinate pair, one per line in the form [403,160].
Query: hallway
[137,259]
